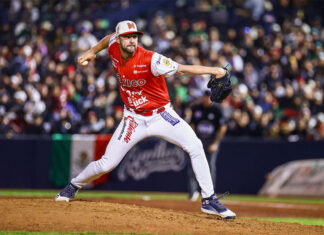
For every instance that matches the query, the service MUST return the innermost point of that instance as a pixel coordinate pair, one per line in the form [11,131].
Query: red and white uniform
[141,79]
[147,113]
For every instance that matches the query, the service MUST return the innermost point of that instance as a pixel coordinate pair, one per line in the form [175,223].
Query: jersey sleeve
[112,40]
[161,65]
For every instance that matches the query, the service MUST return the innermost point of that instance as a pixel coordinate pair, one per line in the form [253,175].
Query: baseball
[84,63]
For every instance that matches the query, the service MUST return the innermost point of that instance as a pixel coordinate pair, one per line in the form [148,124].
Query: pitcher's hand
[86,57]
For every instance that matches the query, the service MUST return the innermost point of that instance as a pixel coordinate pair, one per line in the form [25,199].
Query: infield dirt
[153,217]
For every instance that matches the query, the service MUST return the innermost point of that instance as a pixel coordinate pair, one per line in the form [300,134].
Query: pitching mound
[39,214]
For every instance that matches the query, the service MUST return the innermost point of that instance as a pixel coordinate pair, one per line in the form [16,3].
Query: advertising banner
[296,178]
[151,165]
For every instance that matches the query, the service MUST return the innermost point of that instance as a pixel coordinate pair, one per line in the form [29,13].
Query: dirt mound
[39,214]
[246,209]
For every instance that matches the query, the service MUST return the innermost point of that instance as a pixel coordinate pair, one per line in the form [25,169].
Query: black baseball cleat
[67,193]
[211,205]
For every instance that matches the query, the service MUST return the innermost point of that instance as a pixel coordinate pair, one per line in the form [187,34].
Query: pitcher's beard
[129,50]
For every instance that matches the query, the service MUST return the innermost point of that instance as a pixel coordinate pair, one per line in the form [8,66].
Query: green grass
[96,194]
[252,198]
[304,221]
[154,196]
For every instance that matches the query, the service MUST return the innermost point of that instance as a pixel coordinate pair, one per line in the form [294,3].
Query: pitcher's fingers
[81,60]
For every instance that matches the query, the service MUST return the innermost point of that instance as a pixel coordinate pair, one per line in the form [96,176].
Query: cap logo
[131,25]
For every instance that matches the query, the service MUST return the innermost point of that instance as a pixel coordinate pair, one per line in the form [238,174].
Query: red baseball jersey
[141,79]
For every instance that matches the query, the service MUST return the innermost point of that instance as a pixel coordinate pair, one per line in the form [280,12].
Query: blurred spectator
[110,125]
[86,40]
[36,126]
[274,47]
[62,123]
[92,124]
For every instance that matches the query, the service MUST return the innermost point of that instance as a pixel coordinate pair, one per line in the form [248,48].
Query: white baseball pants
[134,128]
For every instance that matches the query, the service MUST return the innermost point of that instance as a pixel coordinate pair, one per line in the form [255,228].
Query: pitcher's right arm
[90,54]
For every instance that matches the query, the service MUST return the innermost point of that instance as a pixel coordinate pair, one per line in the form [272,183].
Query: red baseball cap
[127,27]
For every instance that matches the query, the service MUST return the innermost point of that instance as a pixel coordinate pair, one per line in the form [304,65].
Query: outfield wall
[155,165]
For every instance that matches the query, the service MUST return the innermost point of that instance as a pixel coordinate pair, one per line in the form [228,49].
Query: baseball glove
[220,87]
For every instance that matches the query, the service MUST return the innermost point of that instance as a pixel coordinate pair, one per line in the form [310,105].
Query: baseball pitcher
[147,111]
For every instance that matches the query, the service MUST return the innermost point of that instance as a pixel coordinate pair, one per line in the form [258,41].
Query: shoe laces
[223,195]
[218,204]
[69,190]
[213,200]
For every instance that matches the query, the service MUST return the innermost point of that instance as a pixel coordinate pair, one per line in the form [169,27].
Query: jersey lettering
[140,65]
[140,71]
[131,128]
[133,93]
[140,102]
[122,130]
[136,99]
[131,83]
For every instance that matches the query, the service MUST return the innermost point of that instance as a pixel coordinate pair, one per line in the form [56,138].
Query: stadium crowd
[274,47]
